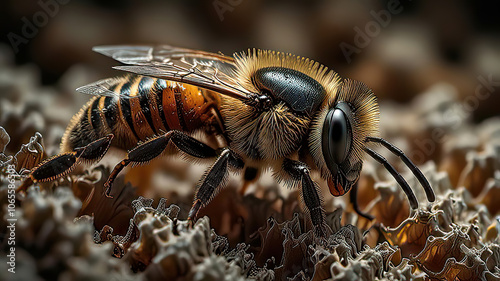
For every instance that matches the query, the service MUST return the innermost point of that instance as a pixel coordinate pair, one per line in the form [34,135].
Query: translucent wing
[158,55]
[101,87]
[207,70]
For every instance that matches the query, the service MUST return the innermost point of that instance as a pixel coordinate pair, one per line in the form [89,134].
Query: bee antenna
[401,181]
[416,171]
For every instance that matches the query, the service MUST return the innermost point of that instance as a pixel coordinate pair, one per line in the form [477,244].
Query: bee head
[339,131]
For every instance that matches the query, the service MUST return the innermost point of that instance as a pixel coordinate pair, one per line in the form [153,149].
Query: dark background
[428,42]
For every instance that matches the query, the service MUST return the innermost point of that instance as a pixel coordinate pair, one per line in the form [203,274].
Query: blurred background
[401,49]
[405,46]
[434,65]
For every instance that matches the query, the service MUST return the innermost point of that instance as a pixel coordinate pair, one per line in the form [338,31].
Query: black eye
[336,135]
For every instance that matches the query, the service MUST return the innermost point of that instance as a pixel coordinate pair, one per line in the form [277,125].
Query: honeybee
[274,111]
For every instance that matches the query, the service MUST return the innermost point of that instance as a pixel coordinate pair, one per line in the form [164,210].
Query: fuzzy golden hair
[75,127]
[267,135]
[365,110]
[278,132]
[248,63]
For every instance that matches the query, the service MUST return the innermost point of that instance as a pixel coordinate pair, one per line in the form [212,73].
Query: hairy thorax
[263,136]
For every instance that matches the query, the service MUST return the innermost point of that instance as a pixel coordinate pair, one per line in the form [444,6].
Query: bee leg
[153,148]
[50,169]
[62,164]
[94,151]
[300,172]
[353,196]
[214,180]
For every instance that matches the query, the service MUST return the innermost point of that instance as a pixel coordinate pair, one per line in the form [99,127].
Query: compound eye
[336,137]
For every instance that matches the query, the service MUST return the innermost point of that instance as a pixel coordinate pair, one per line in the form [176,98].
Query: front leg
[214,180]
[300,172]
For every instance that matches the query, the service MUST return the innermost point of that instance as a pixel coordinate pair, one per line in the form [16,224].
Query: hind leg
[62,164]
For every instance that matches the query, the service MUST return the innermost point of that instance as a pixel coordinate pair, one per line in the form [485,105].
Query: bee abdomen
[80,131]
[89,124]
[143,107]
[185,107]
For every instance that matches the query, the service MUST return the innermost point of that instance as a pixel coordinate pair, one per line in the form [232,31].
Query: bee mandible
[273,110]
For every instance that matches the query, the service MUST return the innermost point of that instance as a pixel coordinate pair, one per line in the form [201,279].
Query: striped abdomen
[143,107]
